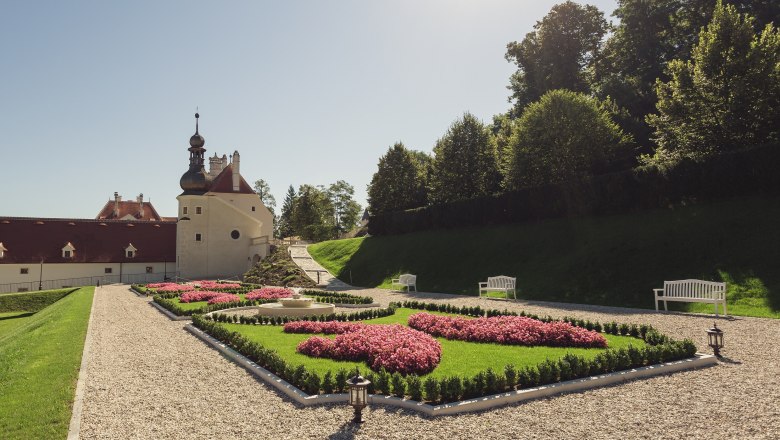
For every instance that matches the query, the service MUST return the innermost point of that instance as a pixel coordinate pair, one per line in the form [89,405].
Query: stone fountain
[298,305]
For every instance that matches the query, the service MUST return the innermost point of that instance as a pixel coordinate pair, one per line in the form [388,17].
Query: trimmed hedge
[336,297]
[281,320]
[32,301]
[166,301]
[735,174]
[660,349]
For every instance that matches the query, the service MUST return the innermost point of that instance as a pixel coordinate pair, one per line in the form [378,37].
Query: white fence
[140,278]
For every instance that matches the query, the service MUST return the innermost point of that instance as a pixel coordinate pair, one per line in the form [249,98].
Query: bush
[328,385]
[397,385]
[431,387]
[341,380]
[414,387]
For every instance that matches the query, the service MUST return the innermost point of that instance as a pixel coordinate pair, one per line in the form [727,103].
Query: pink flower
[510,330]
[171,287]
[270,293]
[213,285]
[393,347]
[200,295]
[224,298]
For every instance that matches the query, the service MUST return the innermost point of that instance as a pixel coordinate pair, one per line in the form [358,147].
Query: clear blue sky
[97,97]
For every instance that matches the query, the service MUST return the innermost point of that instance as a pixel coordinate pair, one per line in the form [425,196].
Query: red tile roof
[30,240]
[128,207]
[223,183]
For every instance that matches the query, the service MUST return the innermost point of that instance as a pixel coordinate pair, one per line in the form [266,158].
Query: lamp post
[715,339]
[358,395]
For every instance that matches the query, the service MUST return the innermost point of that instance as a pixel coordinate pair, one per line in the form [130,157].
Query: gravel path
[148,378]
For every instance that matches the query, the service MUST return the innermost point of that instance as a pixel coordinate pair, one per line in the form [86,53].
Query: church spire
[196,179]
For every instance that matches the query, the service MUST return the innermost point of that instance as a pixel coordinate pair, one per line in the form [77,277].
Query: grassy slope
[31,301]
[459,358]
[614,260]
[40,356]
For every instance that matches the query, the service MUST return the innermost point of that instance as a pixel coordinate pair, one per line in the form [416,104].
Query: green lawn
[198,304]
[611,260]
[40,355]
[459,358]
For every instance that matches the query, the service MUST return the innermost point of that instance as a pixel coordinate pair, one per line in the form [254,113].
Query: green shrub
[383,382]
[510,372]
[414,387]
[328,385]
[398,385]
[341,380]
[431,387]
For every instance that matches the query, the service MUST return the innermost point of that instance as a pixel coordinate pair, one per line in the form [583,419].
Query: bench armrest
[395,281]
[483,284]
[658,290]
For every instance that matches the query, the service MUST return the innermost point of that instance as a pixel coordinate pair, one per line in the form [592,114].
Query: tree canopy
[400,181]
[562,136]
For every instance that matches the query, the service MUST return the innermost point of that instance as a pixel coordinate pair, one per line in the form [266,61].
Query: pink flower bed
[510,330]
[211,285]
[224,298]
[199,295]
[394,347]
[270,293]
[171,287]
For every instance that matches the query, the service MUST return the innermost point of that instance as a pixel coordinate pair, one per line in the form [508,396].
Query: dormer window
[68,251]
[130,251]
[2,250]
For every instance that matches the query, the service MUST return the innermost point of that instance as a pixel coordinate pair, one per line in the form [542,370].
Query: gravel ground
[149,378]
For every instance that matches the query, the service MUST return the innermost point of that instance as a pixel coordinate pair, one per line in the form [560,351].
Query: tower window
[198,210]
[198,237]
[24,270]
[234,234]
[253,209]
[184,211]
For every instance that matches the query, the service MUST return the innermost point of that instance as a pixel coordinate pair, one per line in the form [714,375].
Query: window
[130,254]
[253,209]
[24,270]
[184,210]
[198,210]
[66,254]
[68,250]
[108,270]
[234,234]
[149,269]
[198,237]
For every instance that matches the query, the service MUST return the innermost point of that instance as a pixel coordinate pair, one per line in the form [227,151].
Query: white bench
[405,280]
[499,283]
[692,291]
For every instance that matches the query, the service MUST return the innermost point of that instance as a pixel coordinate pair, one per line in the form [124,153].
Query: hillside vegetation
[614,260]
[278,269]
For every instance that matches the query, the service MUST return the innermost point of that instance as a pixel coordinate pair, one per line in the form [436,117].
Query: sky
[98,97]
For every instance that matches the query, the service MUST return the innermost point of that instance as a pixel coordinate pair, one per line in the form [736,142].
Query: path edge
[78,400]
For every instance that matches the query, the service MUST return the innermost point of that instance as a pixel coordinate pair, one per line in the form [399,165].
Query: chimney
[117,199]
[236,171]
[224,162]
[215,165]
[140,201]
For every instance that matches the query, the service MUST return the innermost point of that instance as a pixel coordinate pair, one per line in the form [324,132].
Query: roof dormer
[3,250]
[130,251]
[68,251]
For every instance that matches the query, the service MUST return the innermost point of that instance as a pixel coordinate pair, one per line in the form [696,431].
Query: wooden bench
[499,283]
[692,291]
[405,280]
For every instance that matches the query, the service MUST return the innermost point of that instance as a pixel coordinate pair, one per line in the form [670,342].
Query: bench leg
[724,308]
[666,309]
[656,302]
[716,309]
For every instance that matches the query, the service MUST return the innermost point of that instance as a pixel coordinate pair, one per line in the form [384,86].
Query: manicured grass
[31,301]
[613,260]
[197,305]
[459,358]
[40,356]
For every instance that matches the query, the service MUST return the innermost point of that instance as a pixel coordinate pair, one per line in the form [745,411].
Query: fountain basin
[296,301]
[311,309]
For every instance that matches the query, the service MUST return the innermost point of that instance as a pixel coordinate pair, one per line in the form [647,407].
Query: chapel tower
[223,227]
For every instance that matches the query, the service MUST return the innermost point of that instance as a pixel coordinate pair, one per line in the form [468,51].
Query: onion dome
[196,180]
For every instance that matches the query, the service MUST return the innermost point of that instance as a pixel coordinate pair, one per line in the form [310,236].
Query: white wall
[73,274]
[218,254]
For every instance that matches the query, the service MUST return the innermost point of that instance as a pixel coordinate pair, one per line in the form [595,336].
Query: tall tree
[346,210]
[558,54]
[400,181]
[562,136]
[312,214]
[264,192]
[727,97]
[464,163]
[284,225]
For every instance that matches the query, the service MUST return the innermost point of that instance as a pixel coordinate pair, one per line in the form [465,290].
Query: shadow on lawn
[21,315]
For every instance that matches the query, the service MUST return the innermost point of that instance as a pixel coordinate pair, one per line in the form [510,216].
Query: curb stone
[74,427]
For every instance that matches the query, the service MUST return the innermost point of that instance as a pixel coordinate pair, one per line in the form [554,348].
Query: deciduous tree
[400,181]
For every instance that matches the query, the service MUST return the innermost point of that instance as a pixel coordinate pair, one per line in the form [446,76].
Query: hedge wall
[749,172]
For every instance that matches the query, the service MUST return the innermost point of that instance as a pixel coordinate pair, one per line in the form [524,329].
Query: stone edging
[168,313]
[479,404]
[78,400]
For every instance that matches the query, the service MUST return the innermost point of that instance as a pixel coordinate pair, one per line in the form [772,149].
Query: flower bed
[513,330]
[224,298]
[396,348]
[170,287]
[199,295]
[214,285]
[270,293]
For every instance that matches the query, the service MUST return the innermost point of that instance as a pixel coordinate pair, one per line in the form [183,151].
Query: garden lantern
[715,336]
[358,395]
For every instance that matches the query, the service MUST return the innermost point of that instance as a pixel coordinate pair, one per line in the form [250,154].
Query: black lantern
[715,337]
[358,395]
